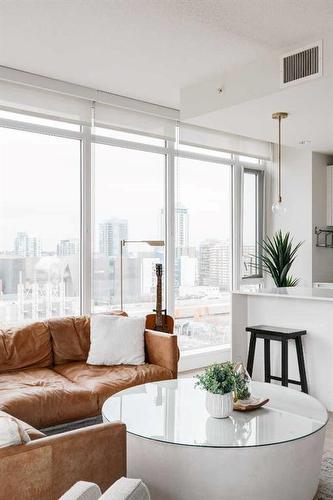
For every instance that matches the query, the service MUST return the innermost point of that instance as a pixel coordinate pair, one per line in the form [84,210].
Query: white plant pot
[219,405]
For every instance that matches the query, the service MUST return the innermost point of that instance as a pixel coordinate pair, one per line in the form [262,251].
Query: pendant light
[278,207]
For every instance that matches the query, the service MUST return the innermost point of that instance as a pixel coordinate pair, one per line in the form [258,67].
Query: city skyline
[207,265]
[40,231]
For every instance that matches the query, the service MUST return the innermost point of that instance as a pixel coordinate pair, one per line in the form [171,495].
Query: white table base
[286,471]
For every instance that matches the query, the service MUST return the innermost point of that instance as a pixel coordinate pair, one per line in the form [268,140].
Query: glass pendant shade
[279,208]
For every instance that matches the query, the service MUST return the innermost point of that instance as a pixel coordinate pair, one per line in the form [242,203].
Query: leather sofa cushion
[70,338]
[31,431]
[44,398]
[107,380]
[25,346]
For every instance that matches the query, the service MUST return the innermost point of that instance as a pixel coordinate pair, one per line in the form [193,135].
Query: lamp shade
[152,243]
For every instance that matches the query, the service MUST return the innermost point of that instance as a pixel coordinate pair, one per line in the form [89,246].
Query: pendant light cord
[279,159]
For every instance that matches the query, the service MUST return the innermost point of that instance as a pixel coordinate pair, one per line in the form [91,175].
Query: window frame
[259,172]
[88,138]
[168,152]
[80,136]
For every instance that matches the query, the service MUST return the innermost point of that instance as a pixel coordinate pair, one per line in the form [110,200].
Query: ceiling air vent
[301,65]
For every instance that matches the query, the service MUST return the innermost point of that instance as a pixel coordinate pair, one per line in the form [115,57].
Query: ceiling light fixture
[278,208]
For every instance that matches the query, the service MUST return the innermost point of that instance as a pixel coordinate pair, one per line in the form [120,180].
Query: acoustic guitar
[160,321]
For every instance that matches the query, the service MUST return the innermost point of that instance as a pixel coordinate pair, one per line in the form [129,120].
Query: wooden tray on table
[249,404]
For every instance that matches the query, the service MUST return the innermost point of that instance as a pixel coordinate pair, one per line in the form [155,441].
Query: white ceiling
[151,49]
[146,49]
[309,124]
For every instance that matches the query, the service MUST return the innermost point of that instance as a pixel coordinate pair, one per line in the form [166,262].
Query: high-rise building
[12,272]
[111,232]
[68,247]
[148,275]
[26,246]
[214,264]
[181,227]
[188,271]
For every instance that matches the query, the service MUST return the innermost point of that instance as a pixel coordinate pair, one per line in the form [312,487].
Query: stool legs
[250,358]
[284,362]
[267,336]
[301,364]
[267,357]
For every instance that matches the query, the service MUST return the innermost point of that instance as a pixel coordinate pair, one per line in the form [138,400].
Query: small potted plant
[276,258]
[218,381]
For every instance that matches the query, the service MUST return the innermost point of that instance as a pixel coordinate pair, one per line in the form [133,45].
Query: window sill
[199,358]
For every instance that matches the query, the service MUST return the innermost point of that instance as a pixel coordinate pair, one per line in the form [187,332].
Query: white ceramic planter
[219,405]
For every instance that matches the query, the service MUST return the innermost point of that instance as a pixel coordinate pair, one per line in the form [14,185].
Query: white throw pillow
[12,432]
[116,340]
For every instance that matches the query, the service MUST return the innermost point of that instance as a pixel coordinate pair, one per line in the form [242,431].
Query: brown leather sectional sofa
[45,380]
[46,467]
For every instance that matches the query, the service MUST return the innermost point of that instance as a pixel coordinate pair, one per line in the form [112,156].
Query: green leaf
[277,257]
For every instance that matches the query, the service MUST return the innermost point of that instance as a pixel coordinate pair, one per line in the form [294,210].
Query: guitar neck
[159,301]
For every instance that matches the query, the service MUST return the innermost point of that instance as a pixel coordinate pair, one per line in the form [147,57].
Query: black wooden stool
[282,335]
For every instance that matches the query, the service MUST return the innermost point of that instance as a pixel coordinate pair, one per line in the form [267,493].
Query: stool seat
[282,335]
[266,331]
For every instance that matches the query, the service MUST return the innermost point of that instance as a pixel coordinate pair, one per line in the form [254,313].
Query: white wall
[297,197]
[304,195]
[322,258]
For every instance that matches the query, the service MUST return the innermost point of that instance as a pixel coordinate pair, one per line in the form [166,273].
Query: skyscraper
[68,247]
[215,264]
[25,246]
[188,270]
[111,232]
[181,227]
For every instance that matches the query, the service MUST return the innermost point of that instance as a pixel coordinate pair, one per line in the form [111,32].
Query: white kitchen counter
[293,293]
[310,309]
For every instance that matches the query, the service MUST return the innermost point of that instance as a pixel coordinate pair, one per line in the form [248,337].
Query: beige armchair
[45,468]
[123,489]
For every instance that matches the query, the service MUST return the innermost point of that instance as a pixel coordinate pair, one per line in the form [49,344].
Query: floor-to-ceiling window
[202,252]
[129,206]
[39,226]
[252,224]
[72,192]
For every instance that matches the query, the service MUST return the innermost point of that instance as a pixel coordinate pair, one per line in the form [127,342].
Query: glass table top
[174,411]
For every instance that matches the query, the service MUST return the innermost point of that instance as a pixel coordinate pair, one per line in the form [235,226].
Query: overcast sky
[40,190]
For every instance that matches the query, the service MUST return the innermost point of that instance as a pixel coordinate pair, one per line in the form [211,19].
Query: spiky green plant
[277,257]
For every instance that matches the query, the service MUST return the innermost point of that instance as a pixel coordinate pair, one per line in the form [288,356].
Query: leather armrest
[162,350]
[46,468]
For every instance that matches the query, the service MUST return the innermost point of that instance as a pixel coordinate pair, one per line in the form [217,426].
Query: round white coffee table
[182,453]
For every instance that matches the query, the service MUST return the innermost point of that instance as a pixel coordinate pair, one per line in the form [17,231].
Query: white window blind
[31,93]
[134,121]
[45,103]
[193,135]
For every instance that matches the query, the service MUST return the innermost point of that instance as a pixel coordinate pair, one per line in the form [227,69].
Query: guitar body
[159,321]
[167,323]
